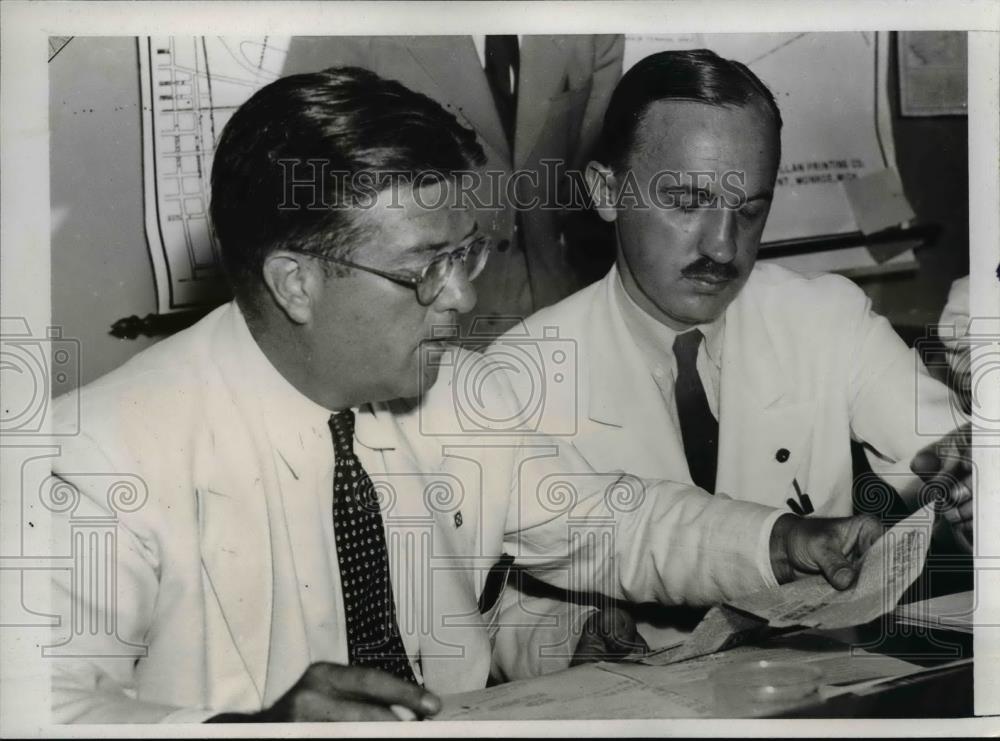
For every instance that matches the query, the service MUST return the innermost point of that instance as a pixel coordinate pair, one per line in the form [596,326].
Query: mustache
[703,267]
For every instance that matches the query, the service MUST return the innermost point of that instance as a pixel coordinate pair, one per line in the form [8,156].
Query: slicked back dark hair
[697,75]
[348,121]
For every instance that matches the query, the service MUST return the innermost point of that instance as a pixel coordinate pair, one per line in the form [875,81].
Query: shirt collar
[655,339]
[294,422]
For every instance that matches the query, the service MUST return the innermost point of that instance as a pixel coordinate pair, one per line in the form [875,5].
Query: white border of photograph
[25,288]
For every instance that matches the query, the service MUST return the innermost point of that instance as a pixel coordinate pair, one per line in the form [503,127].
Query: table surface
[945,694]
[948,693]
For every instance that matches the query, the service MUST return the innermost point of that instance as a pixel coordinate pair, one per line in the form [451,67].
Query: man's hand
[327,692]
[832,547]
[946,470]
[608,635]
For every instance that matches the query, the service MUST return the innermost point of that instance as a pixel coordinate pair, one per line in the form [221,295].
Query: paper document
[950,611]
[868,686]
[582,692]
[891,565]
[877,200]
[721,628]
[624,690]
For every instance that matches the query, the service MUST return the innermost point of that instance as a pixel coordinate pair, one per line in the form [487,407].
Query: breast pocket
[771,461]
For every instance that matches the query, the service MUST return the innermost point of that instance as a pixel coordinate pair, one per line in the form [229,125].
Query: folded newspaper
[891,565]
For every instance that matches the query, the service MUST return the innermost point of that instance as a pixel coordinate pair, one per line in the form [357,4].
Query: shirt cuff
[764,549]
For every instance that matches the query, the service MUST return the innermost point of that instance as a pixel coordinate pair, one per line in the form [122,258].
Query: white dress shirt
[301,527]
[655,341]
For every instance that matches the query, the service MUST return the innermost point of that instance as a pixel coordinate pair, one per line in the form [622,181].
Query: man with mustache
[695,363]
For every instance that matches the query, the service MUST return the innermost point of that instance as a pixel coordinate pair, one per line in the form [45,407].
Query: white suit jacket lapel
[235,535]
[625,409]
[765,434]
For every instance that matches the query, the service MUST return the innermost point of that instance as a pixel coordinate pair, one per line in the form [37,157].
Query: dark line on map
[263,51]
[64,45]
[211,108]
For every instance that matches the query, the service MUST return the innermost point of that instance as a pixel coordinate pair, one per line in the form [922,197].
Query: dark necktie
[372,633]
[502,57]
[699,428]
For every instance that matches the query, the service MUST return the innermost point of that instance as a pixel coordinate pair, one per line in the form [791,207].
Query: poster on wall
[190,87]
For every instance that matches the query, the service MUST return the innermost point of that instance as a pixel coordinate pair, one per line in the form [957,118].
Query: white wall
[101,269]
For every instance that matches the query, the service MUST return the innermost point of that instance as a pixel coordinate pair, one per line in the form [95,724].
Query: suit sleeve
[535,635]
[896,406]
[98,684]
[633,539]
[609,532]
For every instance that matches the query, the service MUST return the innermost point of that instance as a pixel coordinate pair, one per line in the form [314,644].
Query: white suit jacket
[195,572]
[806,367]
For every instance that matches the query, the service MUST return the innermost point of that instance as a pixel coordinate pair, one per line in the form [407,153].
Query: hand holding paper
[832,547]
[888,567]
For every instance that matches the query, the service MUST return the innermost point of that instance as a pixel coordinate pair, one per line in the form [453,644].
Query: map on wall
[190,86]
[833,97]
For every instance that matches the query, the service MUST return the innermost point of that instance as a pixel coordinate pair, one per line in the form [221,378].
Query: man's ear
[293,283]
[602,186]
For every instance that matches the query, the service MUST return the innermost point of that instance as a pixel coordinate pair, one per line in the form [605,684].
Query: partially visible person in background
[954,325]
[536,104]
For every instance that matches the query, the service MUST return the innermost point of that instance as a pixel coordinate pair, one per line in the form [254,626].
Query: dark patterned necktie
[503,61]
[372,633]
[699,427]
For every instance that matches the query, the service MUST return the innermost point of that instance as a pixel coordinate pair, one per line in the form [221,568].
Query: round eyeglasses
[436,274]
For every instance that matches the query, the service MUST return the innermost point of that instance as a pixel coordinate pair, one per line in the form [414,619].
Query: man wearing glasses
[298,550]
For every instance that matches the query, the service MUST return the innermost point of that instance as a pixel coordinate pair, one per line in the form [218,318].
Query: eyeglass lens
[439,271]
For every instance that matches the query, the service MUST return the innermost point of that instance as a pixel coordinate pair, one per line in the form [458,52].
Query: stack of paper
[949,612]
